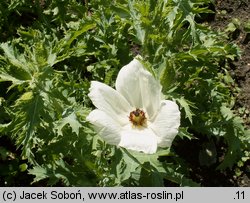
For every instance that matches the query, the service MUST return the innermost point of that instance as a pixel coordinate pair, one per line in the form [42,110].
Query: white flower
[134,116]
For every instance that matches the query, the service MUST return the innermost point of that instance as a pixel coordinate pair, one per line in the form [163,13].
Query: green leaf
[23,167]
[86,27]
[176,177]
[17,60]
[39,172]
[68,119]
[31,105]
[14,80]
[185,104]
[226,112]
[183,133]
[126,167]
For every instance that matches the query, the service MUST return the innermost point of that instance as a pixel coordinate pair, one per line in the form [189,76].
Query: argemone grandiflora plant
[117,93]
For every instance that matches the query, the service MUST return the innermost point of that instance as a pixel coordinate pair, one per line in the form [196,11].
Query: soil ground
[238,12]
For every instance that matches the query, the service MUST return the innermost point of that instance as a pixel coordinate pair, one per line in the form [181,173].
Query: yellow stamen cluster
[138,118]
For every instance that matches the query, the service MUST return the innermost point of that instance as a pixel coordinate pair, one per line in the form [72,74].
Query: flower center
[138,118]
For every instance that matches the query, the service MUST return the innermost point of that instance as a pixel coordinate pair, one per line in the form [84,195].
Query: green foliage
[48,61]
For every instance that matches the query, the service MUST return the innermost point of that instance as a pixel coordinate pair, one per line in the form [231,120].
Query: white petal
[166,123]
[142,140]
[110,101]
[106,126]
[139,87]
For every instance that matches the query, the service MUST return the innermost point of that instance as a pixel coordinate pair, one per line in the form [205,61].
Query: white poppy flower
[134,116]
